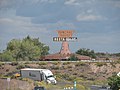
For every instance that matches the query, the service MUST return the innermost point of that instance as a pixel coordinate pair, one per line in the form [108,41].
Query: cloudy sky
[96,22]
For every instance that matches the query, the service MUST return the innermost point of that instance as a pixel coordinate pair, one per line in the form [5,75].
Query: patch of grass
[66,63]
[42,63]
[47,86]
[26,79]
[55,63]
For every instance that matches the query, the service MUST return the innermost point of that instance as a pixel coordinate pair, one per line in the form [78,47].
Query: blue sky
[96,22]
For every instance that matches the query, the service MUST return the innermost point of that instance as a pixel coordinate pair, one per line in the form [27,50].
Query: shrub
[99,64]
[0,64]
[91,78]
[80,64]
[73,58]
[107,58]
[113,64]
[65,63]
[75,73]
[68,77]
[118,61]
[81,87]
[42,67]
[70,70]
[55,67]
[55,63]
[42,63]
[20,66]
[69,66]
[14,63]
[27,62]
[114,82]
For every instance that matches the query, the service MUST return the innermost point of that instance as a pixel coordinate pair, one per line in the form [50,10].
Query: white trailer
[38,74]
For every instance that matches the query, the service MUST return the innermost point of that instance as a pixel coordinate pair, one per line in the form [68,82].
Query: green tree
[25,49]
[87,52]
[6,56]
[114,82]
[73,58]
[14,47]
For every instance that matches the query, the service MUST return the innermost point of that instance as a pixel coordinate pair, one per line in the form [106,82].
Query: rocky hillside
[66,71]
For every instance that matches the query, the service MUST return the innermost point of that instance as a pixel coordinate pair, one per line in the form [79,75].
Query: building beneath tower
[64,53]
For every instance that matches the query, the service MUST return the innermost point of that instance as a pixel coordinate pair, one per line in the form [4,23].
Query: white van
[38,74]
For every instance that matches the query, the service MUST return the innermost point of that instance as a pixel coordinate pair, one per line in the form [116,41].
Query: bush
[42,67]
[113,64]
[114,82]
[55,68]
[55,63]
[65,63]
[42,63]
[75,73]
[99,64]
[80,64]
[69,66]
[1,64]
[73,58]
[118,61]
[20,66]
[14,63]
[27,62]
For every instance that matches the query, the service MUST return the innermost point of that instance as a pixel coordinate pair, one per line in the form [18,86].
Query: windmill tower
[65,36]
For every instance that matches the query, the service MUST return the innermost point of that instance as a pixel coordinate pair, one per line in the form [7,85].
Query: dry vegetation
[66,72]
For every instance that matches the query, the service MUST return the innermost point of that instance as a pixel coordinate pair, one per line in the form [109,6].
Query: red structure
[65,48]
[64,53]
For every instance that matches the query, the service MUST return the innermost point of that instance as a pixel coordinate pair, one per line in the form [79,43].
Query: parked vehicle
[38,74]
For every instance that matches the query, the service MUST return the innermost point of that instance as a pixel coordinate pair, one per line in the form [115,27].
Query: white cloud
[65,24]
[50,1]
[90,17]
[42,1]
[72,2]
[100,41]
[22,24]
[19,27]
[8,4]
[15,21]
[78,2]
[89,11]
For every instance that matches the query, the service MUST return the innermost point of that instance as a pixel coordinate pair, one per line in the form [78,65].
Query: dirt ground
[15,85]
[87,71]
